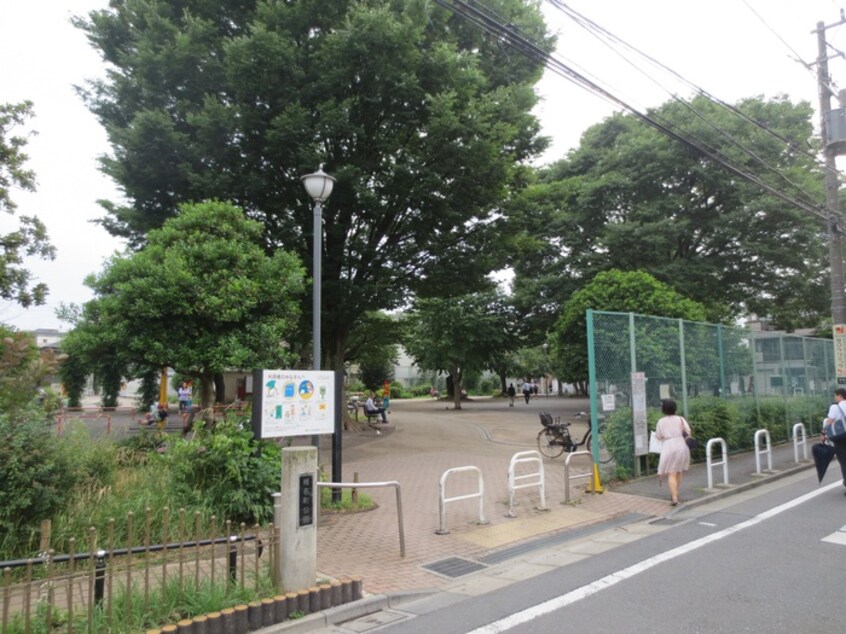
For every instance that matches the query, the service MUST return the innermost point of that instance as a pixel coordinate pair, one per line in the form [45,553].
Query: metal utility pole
[832,201]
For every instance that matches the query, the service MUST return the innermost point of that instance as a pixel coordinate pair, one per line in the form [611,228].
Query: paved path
[425,439]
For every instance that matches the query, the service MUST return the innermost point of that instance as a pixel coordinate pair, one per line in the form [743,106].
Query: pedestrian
[161,415]
[370,407]
[836,412]
[184,394]
[527,390]
[386,395]
[675,454]
[512,392]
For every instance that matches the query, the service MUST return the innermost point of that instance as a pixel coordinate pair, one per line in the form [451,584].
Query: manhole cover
[454,567]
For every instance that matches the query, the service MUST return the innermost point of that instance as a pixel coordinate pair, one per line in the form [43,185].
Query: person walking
[184,394]
[675,454]
[512,392]
[527,390]
[837,411]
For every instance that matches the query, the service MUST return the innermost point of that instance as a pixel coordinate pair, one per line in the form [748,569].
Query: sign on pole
[641,436]
[293,403]
[840,353]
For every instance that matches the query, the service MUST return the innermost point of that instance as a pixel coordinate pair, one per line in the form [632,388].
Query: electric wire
[483,18]
[603,35]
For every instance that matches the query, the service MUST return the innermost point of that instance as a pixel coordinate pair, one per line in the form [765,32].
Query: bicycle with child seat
[555,438]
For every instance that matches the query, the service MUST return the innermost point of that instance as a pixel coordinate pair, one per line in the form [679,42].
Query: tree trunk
[219,388]
[503,387]
[207,394]
[456,387]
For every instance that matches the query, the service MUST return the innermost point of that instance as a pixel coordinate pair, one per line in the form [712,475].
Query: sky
[732,49]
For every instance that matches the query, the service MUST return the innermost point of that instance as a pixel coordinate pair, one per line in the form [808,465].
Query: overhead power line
[491,23]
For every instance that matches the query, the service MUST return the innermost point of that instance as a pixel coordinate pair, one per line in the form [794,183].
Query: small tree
[202,297]
[459,334]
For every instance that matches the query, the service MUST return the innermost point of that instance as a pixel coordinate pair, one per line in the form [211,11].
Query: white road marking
[709,524]
[614,578]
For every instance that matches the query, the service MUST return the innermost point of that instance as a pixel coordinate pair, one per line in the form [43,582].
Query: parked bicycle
[555,438]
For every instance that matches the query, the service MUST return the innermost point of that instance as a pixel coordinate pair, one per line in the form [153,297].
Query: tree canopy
[30,239]
[424,120]
[463,334]
[202,297]
[632,198]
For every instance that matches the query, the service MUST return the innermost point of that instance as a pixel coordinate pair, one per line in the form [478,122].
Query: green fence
[727,381]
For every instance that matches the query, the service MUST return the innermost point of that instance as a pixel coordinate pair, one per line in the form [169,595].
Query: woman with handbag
[675,454]
[836,412]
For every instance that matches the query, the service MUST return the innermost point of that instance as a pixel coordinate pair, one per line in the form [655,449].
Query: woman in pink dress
[675,455]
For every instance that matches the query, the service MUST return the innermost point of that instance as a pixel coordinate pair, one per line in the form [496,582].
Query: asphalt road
[768,560]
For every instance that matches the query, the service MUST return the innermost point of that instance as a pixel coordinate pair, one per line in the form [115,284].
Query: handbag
[655,445]
[837,430]
[689,440]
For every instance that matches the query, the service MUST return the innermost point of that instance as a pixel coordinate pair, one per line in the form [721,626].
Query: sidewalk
[423,441]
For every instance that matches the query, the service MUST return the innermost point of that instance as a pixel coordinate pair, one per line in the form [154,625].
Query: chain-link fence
[727,381]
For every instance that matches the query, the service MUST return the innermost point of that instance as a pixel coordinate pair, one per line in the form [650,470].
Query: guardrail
[442,529]
[763,433]
[709,462]
[797,428]
[538,476]
[567,473]
[372,485]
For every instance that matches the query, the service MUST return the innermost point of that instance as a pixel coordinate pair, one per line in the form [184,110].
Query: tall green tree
[202,297]
[424,120]
[460,335]
[631,198]
[30,239]
[618,291]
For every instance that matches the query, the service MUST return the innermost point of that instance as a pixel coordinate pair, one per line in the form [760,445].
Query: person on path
[837,411]
[512,392]
[527,391]
[675,455]
[184,394]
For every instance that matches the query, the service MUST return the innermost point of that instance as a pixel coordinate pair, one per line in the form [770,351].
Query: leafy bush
[226,471]
[35,474]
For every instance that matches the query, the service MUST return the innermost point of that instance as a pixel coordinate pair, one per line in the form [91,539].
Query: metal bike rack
[567,472]
[709,462]
[371,485]
[525,457]
[442,530]
[765,433]
[799,429]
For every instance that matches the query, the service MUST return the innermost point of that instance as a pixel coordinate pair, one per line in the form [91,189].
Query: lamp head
[318,185]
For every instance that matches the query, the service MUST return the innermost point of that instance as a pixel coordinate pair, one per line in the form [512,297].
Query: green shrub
[36,474]
[226,472]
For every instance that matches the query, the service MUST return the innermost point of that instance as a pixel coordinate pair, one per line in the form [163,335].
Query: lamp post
[546,368]
[319,186]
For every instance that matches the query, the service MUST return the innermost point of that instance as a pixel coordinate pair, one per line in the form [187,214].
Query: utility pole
[832,199]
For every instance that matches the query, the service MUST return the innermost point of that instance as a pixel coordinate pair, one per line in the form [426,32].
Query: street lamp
[319,186]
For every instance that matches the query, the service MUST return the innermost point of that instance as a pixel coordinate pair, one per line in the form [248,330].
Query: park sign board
[293,403]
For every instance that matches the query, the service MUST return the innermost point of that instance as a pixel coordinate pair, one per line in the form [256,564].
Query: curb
[348,611]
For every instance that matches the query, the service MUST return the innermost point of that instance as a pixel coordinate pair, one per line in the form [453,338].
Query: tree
[631,198]
[459,334]
[424,120]
[202,297]
[30,239]
[631,291]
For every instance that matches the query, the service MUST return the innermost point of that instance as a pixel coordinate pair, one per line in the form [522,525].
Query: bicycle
[555,438]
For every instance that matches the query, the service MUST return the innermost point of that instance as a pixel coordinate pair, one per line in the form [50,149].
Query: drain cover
[453,567]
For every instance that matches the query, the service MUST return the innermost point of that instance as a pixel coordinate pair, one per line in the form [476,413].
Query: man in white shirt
[837,411]
[370,407]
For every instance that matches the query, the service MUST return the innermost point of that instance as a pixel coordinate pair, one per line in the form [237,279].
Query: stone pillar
[298,528]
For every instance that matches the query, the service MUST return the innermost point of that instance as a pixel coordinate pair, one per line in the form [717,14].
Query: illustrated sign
[639,426]
[840,353]
[293,402]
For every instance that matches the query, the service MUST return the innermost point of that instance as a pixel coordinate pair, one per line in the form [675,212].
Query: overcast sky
[731,48]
